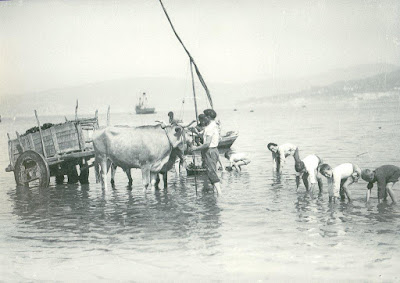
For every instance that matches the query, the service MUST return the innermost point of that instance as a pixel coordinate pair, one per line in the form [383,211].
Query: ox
[175,153]
[147,147]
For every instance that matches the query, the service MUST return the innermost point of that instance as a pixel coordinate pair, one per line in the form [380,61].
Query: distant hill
[388,81]
[168,93]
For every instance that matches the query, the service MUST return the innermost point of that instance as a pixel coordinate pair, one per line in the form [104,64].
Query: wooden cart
[55,151]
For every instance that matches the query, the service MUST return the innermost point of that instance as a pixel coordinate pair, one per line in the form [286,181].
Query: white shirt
[212,131]
[235,157]
[286,149]
[311,163]
[343,171]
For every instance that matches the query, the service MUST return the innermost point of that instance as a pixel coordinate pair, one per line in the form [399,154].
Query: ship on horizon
[142,106]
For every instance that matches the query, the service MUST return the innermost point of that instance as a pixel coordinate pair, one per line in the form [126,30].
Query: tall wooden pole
[194,91]
[41,136]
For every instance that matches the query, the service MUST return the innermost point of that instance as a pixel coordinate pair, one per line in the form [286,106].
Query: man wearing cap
[308,170]
[209,148]
[386,177]
[339,178]
[281,152]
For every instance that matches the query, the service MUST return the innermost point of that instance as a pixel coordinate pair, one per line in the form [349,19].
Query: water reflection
[64,212]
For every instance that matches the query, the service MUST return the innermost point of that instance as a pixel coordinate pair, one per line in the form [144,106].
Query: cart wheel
[84,175]
[31,166]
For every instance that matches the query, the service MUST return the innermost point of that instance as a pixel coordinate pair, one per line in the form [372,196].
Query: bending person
[236,159]
[339,178]
[281,152]
[386,177]
[308,170]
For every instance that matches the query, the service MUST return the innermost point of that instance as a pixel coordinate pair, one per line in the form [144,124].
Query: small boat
[235,109]
[251,110]
[228,139]
[141,107]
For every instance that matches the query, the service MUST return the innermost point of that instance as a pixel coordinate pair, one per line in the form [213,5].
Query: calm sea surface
[260,229]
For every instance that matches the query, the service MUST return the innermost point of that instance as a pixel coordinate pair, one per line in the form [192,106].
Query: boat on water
[142,108]
[227,140]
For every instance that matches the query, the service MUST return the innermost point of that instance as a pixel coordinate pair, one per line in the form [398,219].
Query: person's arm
[330,186]
[336,180]
[274,160]
[369,187]
[282,159]
[220,164]
[311,178]
[381,183]
[205,145]
[298,176]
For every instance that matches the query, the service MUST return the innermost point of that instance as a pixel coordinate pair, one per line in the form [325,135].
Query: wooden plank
[31,140]
[81,138]
[10,154]
[70,156]
[41,137]
[55,141]
[20,141]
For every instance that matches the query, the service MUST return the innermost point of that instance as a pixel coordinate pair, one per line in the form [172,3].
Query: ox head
[179,136]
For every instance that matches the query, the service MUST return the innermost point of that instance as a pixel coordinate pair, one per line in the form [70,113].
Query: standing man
[281,152]
[386,177]
[209,148]
[308,170]
[339,178]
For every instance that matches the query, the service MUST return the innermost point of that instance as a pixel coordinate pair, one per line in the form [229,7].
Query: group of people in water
[339,178]
[309,169]
[207,136]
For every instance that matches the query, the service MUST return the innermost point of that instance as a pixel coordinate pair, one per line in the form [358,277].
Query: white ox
[146,147]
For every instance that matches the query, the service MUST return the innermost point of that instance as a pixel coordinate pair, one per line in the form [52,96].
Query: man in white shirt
[339,178]
[210,148]
[308,170]
[281,152]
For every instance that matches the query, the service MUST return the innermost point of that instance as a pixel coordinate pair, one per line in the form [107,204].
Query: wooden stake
[20,141]
[76,111]
[96,115]
[41,136]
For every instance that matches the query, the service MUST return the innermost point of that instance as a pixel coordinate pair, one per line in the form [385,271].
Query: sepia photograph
[199,141]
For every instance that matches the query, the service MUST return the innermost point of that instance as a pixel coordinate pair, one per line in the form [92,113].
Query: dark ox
[147,147]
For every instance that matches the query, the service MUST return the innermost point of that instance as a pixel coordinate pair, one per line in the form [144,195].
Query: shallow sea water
[261,229]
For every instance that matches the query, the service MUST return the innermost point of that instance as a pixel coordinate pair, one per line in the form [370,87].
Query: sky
[56,44]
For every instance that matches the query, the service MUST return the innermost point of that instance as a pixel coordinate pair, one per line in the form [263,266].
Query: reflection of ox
[147,147]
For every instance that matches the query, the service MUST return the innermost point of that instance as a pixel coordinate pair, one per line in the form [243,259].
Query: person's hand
[191,149]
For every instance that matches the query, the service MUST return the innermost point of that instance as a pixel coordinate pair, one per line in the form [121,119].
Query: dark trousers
[211,158]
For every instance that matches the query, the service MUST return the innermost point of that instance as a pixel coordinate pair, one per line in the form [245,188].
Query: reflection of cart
[54,151]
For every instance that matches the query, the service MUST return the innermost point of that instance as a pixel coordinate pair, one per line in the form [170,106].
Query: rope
[203,83]
[194,91]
